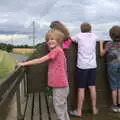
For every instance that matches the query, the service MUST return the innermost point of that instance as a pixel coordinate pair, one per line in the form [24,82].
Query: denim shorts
[86,77]
[114,75]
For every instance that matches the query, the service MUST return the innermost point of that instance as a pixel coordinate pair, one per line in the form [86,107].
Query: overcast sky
[17,16]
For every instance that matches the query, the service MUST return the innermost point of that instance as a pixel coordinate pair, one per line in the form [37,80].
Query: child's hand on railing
[20,64]
[102,41]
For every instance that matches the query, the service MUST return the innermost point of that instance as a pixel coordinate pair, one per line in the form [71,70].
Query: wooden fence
[33,80]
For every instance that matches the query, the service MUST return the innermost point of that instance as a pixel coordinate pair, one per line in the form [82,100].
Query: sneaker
[118,107]
[114,108]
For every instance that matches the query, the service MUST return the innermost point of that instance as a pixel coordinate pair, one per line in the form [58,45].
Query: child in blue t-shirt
[112,51]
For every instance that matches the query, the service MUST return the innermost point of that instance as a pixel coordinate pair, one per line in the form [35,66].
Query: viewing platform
[23,97]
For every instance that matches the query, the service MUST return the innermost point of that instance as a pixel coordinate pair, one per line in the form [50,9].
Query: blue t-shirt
[112,51]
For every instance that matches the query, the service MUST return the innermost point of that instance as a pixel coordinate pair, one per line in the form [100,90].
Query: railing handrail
[5,79]
[10,84]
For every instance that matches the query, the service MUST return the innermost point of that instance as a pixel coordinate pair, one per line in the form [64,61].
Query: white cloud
[18,15]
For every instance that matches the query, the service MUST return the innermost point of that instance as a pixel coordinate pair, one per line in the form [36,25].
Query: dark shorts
[86,77]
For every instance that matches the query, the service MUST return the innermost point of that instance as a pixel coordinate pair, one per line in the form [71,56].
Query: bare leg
[93,98]
[114,96]
[118,96]
[80,101]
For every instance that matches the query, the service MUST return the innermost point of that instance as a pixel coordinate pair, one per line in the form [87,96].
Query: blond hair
[56,35]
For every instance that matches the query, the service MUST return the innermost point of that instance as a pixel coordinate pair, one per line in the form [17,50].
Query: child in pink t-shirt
[57,72]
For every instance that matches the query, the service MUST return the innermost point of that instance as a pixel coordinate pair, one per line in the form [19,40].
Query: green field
[7,64]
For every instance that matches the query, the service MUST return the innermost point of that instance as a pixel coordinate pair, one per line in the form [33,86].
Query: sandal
[74,114]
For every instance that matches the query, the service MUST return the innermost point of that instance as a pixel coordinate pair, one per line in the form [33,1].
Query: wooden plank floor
[39,107]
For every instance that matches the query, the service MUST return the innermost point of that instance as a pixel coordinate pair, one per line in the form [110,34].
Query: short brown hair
[85,27]
[114,33]
[54,34]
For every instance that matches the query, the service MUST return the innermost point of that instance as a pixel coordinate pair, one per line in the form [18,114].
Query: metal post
[33,34]
[19,114]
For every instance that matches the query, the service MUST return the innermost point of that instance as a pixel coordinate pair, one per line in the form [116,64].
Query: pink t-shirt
[57,69]
[66,44]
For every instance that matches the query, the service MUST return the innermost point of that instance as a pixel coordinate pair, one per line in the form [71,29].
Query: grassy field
[7,64]
[25,51]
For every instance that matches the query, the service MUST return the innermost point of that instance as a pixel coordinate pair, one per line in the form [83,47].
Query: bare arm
[74,38]
[102,51]
[34,61]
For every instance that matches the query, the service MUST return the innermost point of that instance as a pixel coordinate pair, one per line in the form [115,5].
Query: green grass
[7,64]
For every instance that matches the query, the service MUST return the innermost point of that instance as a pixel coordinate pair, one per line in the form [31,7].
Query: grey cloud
[17,15]
[11,5]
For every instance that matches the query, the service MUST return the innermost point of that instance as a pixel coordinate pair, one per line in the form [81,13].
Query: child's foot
[75,113]
[118,107]
[114,108]
[95,111]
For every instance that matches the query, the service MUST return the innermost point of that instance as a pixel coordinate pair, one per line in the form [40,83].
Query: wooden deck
[28,105]
[38,107]
[18,104]
[34,107]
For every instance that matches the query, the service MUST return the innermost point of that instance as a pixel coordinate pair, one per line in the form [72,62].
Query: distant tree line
[9,47]
[6,47]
